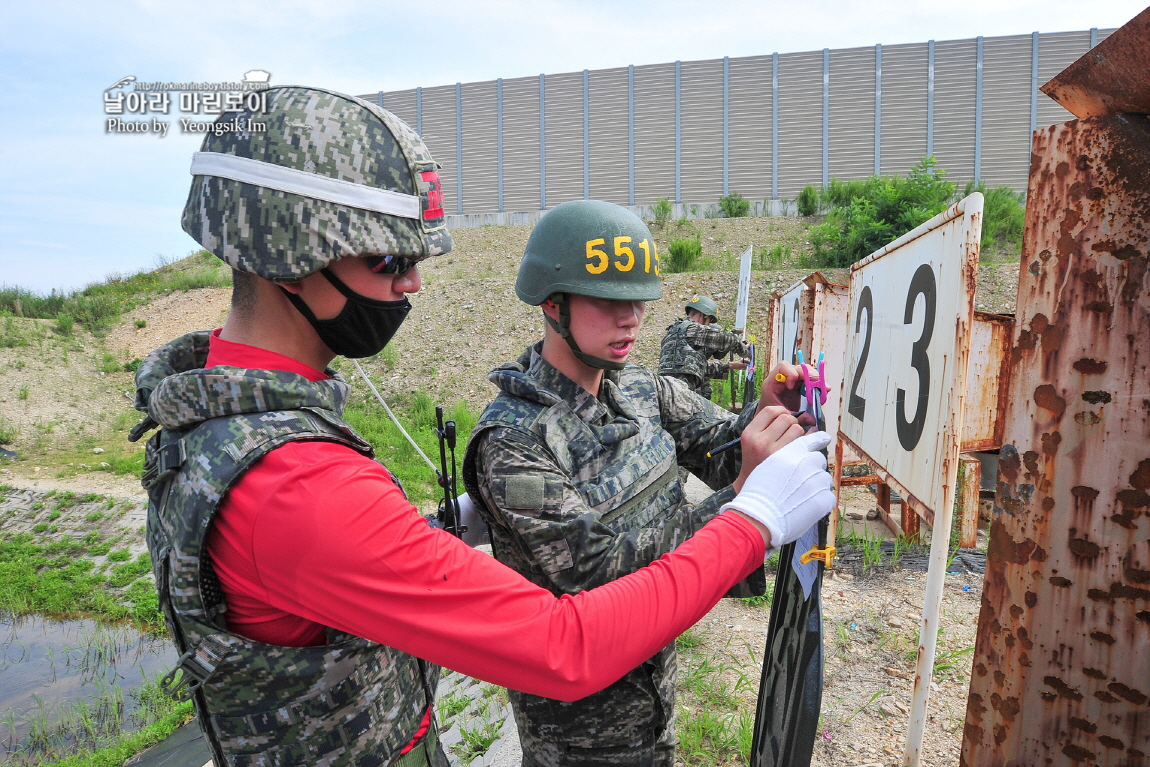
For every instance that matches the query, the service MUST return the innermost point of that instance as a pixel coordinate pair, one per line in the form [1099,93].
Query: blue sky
[77,204]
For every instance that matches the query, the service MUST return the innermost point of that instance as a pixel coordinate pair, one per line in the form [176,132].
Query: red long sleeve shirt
[317,535]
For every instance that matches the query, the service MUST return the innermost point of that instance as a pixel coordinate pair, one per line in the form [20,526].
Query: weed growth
[661,211]
[682,254]
[734,205]
[867,214]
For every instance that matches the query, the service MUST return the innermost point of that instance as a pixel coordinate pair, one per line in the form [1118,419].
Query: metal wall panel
[401,104]
[852,113]
[520,144]
[439,135]
[800,121]
[1056,52]
[702,120]
[480,193]
[954,63]
[903,107]
[564,127]
[750,126]
[1006,111]
[654,133]
[608,146]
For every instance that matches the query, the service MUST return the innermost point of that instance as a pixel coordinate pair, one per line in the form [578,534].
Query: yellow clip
[780,378]
[826,556]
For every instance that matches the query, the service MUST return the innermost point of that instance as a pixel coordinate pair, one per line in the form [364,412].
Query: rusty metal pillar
[1062,659]
[969,483]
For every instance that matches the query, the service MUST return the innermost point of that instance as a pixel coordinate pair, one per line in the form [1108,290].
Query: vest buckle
[164,463]
[197,666]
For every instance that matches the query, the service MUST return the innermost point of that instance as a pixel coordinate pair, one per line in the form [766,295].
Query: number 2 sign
[908,338]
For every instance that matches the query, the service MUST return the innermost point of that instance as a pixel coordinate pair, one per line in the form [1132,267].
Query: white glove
[790,491]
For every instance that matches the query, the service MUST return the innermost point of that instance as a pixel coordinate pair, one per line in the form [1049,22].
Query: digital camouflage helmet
[704,305]
[588,248]
[326,177]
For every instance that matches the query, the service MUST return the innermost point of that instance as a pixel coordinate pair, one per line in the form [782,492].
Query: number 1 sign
[904,387]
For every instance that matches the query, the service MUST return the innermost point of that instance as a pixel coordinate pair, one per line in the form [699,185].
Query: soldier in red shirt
[311,604]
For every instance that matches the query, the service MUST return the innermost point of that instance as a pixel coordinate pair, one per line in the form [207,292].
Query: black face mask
[364,326]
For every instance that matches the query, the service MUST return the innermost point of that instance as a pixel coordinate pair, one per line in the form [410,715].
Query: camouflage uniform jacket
[349,702]
[579,491]
[687,349]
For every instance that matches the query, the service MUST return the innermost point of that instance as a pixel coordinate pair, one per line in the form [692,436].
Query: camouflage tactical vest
[626,470]
[678,358]
[349,702]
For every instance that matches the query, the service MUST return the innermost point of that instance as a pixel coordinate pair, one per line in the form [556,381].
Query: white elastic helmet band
[265,174]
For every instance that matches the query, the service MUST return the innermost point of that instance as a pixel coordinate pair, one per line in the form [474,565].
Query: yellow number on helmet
[593,252]
[623,251]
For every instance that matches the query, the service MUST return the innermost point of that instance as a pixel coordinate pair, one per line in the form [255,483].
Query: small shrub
[119,555]
[734,205]
[774,257]
[1003,216]
[65,323]
[661,211]
[141,323]
[870,213]
[133,365]
[22,393]
[8,432]
[39,528]
[807,202]
[108,364]
[682,254]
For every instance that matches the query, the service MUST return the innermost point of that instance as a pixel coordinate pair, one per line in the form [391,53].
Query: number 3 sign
[911,310]
[904,388]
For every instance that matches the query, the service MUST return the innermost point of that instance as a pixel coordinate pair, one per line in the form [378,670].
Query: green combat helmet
[588,248]
[706,306]
[326,177]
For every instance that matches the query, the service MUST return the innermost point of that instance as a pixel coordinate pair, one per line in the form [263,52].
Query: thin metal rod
[378,396]
[459,148]
[878,108]
[826,117]
[499,141]
[586,136]
[678,132]
[542,143]
[930,98]
[774,126]
[978,111]
[630,134]
[726,124]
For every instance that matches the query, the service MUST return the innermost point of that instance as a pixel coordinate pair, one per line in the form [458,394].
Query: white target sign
[788,312]
[911,310]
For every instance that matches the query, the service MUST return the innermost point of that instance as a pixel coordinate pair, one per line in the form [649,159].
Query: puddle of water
[59,678]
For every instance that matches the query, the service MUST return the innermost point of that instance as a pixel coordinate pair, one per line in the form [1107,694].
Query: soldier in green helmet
[574,467]
[691,344]
[310,603]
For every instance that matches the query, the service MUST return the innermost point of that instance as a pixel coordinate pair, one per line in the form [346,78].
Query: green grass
[55,578]
[682,253]
[417,416]
[160,717]
[98,306]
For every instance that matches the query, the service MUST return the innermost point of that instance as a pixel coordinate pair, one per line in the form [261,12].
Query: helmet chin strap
[562,326]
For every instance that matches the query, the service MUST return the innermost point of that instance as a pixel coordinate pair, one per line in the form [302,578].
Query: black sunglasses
[397,265]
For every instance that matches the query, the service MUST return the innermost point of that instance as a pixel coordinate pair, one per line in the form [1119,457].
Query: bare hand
[784,393]
[770,430]
[740,365]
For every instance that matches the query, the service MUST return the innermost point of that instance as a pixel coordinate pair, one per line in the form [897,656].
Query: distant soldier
[574,466]
[690,344]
